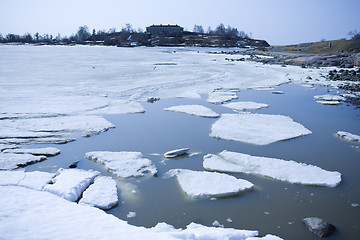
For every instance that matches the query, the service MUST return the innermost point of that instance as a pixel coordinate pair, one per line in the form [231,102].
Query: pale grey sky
[277,21]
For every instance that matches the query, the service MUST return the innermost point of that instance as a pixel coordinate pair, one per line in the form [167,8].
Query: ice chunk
[50,151]
[329,97]
[196,110]
[43,140]
[176,152]
[242,106]
[328,102]
[70,183]
[260,129]
[10,161]
[36,180]
[217,224]
[267,237]
[209,184]
[290,171]
[189,94]
[102,194]
[131,215]
[123,164]
[218,97]
[348,136]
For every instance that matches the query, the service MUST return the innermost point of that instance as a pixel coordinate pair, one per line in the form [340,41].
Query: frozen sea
[41,82]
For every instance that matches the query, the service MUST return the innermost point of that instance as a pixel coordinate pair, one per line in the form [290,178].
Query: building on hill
[164,29]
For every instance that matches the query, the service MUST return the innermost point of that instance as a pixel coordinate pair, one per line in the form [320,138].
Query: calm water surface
[272,207]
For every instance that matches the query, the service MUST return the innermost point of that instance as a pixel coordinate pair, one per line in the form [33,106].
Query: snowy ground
[59,94]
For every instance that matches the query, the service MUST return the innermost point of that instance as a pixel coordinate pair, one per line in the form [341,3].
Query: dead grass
[337,46]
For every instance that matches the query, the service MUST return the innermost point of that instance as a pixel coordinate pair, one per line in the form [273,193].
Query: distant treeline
[84,35]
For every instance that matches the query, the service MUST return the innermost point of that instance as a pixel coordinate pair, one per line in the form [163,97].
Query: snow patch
[290,171]
[260,129]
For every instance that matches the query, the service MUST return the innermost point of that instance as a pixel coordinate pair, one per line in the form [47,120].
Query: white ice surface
[49,151]
[9,161]
[101,194]
[328,102]
[259,129]
[208,184]
[31,214]
[189,94]
[34,180]
[329,97]
[196,110]
[290,171]
[35,140]
[348,136]
[7,146]
[242,106]
[70,183]
[123,164]
[176,152]
[218,97]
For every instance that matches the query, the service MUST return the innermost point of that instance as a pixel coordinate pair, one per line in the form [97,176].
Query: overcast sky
[277,21]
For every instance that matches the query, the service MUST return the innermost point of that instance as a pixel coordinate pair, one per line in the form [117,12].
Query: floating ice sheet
[34,180]
[242,106]
[218,97]
[329,97]
[70,183]
[50,151]
[119,107]
[290,171]
[260,129]
[196,110]
[57,218]
[348,136]
[43,140]
[209,184]
[176,152]
[123,164]
[328,102]
[9,161]
[7,146]
[101,194]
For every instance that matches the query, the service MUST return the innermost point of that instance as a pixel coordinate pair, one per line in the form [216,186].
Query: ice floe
[209,184]
[218,97]
[328,102]
[290,171]
[189,94]
[7,146]
[329,97]
[348,136]
[70,183]
[57,218]
[196,110]
[242,106]
[119,107]
[131,215]
[43,140]
[260,129]
[34,180]
[123,164]
[176,152]
[101,194]
[49,152]
[9,161]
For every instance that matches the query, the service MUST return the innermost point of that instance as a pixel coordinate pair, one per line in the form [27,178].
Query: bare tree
[83,33]
[198,29]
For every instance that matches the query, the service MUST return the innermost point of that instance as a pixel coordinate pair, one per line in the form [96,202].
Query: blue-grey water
[272,207]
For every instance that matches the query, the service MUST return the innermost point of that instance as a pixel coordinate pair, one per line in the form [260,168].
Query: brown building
[164,29]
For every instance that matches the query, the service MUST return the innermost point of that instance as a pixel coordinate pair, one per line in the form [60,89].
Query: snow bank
[242,106]
[70,183]
[101,194]
[290,171]
[348,136]
[9,161]
[176,152]
[196,110]
[123,164]
[31,214]
[260,129]
[209,184]
[218,97]
[50,151]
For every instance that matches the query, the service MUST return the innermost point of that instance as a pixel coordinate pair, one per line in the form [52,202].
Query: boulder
[318,226]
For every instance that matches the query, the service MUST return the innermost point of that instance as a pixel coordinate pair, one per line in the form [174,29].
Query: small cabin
[164,29]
